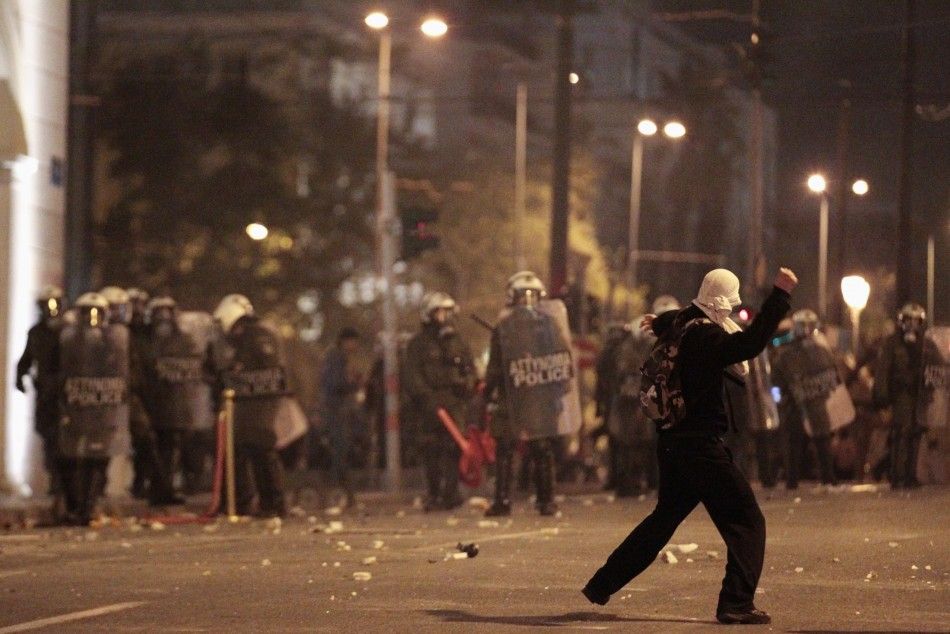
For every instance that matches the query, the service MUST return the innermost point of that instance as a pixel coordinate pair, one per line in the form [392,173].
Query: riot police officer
[146,480]
[94,372]
[898,384]
[253,367]
[805,373]
[530,369]
[40,362]
[440,374]
[173,366]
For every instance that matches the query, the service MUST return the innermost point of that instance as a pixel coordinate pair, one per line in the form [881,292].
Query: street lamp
[645,128]
[860,187]
[256,231]
[855,290]
[386,226]
[818,184]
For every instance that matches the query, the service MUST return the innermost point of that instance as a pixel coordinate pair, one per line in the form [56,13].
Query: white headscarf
[718,296]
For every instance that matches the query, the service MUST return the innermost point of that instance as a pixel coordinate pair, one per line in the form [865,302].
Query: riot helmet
[438,307]
[119,306]
[664,304]
[526,288]
[161,309]
[50,302]
[93,309]
[138,300]
[804,323]
[913,321]
[232,308]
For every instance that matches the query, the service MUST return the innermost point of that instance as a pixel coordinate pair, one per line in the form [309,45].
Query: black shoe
[750,616]
[499,509]
[593,597]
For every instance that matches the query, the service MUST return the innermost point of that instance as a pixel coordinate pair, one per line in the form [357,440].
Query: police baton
[481,322]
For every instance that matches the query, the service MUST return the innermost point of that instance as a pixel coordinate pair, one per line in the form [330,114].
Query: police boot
[501,507]
[544,472]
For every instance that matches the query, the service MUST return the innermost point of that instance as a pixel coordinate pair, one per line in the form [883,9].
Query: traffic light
[417,230]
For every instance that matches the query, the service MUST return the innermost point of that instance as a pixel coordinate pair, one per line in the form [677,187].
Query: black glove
[19,384]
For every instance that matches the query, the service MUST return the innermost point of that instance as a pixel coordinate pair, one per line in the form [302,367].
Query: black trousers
[694,470]
[441,464]
[258,469]
[82,480]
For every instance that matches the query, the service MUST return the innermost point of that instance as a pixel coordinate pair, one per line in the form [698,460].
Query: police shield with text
[94,373]
[254,369]
[439,374]
[530,369]
[174,375]
[40,362]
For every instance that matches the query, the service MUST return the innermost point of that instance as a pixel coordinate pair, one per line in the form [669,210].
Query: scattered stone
[914,567]
[336,564]
[362,576]
[688,560]
[668,557]
[893,544]
[479,503]
[797,500]
[837,560]
[265,562]
[451,521]
[297,511]
[470,550]
[712,554]
[928,567]
[210,528]
[333,511]
[157,526]
[687,548]
[400,514]
[611,499]
[206,573]
[487,524]
[799,569]
[126,545]
[368,561]
[870,575]
[588,502]
[378,544]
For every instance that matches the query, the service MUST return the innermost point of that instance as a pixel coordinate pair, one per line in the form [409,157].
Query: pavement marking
[28,537]
[72,616]
[493,538]
[12,573]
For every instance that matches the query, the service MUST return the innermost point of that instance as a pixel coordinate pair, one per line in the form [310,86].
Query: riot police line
[124,374]
[121,374]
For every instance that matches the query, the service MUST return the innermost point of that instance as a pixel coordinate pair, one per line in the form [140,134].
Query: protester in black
[695,465]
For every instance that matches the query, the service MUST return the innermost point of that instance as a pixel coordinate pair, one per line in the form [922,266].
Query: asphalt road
[846,561]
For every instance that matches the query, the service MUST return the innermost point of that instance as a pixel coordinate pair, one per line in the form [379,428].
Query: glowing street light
[573,78]
[647,127]
[434,27]
[377,20]
[674,130]
[256,231]
[860,187]
[817,183]
[855,290]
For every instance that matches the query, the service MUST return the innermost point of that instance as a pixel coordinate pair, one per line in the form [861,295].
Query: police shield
[626,419]
[570,418]
[200,327]
[94,362]
[175,379]
[538,370]
[763,411]
[934,404]
[819,391]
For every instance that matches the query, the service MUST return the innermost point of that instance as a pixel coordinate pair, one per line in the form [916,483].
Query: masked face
[912,328]
[441,316]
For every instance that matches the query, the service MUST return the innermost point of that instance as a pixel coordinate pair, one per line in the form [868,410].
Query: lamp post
[645,128]
[855,290]
[387,227]
[818,184]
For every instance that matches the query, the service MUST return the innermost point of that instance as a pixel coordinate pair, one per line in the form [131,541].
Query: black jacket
[707,350]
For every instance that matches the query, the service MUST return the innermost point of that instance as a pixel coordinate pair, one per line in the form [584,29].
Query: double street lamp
[386,234]
[645,128]
[818,184]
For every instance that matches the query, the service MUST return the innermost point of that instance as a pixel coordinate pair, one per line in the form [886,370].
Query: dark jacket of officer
[899,376]
[439,372]
[42,353]
[706,350]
